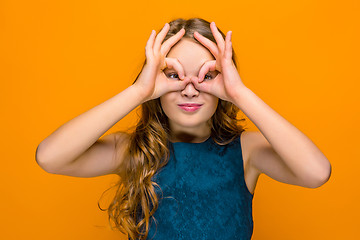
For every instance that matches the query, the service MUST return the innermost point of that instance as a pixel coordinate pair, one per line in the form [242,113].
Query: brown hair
[148,149]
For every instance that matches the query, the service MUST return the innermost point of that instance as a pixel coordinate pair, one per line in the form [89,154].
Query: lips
[190,105]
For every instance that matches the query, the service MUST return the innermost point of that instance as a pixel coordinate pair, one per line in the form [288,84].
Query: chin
[188,122]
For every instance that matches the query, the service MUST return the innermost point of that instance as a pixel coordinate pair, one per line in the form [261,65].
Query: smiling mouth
[190,107]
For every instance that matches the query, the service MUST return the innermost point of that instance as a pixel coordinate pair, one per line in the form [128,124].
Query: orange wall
[61,58]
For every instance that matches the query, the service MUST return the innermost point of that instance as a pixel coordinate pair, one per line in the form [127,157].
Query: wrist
[138,92]
[240,93]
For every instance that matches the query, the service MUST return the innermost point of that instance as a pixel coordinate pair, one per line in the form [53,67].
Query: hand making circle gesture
[152,81]
[227,82]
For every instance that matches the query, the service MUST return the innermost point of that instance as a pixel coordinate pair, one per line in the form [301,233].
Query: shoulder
[122,140]
[121,137]
[250,141]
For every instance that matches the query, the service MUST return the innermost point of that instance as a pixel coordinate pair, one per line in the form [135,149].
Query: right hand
[152,82]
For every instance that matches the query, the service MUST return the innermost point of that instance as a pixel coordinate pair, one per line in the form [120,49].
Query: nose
[190,90]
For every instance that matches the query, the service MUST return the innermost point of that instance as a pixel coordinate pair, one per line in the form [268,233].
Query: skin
[274,150]
[189,126]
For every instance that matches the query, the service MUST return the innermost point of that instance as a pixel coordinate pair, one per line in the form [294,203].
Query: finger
[218,37]
[167,45]
[160,37]
[228,45]
[207,43]
[203,86]
[207,67]
[178,85]
[173,63]
[149,44]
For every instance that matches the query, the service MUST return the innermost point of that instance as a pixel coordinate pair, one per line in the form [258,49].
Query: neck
[191,138]
[193,134]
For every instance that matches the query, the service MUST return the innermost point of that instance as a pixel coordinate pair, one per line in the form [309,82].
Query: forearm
[298,152]
[74,137]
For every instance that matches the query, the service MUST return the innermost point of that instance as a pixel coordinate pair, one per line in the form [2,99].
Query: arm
[282,151]
[59,151]
[75,148]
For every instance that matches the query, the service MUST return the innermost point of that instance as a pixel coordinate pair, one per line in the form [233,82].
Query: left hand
[227,82]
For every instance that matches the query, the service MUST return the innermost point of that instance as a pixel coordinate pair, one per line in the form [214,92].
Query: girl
[189,170]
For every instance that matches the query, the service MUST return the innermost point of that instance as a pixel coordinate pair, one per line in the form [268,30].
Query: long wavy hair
[147,148]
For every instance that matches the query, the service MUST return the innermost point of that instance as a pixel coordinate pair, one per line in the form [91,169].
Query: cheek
[165,102]
[214,104]
[214,101]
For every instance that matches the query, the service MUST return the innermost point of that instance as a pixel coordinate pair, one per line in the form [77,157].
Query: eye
[210,75]
[172,75]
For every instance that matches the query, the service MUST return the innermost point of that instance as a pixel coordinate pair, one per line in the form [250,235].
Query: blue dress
[204,195]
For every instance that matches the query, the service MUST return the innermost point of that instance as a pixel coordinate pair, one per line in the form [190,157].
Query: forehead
[190,52]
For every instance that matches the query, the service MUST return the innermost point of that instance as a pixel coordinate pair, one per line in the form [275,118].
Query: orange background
[62,58]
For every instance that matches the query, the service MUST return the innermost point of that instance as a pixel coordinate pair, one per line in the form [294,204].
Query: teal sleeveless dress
[204,195]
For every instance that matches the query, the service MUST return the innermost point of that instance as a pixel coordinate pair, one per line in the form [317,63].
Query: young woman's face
[191,56]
